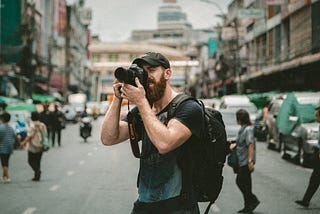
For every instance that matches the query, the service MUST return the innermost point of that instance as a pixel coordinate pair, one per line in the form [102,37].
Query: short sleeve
[249,135]
[190,114]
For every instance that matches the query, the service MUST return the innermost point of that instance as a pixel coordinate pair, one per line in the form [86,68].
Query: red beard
[157,90]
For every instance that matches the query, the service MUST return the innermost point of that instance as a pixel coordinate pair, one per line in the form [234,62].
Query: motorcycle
[85,128]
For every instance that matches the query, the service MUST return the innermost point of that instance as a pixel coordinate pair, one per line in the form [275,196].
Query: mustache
[151,81]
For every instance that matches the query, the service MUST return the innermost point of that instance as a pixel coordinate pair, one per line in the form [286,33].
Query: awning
[21,106]
[43,98]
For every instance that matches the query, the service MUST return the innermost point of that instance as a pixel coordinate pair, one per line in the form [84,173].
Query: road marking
[89,154]
[81,162]
[29,210]
[70,173]
[54,188]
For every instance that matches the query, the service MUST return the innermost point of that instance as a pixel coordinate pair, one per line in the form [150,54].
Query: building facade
[279,51]
[106,57]
[35,47]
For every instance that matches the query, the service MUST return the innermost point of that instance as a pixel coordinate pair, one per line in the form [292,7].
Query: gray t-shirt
[244,138]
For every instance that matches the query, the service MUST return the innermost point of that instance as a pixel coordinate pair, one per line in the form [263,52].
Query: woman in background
[34,144]
[7,141]
[245,149]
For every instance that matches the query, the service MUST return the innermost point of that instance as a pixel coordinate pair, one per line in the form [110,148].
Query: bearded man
[160,176]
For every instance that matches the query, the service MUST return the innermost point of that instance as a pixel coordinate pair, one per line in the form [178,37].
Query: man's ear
[168,73]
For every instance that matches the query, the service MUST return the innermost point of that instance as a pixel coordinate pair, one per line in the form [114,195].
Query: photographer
[160,178]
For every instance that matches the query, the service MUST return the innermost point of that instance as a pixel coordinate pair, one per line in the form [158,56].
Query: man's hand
[251,166]
[116,88]
[132,93]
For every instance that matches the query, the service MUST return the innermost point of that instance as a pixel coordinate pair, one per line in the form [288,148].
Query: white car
[236,102]
[69,112]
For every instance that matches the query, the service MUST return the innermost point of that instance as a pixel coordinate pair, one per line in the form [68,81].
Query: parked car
[230,121]
[260,128]
[93,108]
[272,131]
[297,127]
[104,106]
[236,102]
[212,102]
[69,112]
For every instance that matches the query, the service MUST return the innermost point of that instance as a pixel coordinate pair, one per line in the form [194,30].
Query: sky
[113,20]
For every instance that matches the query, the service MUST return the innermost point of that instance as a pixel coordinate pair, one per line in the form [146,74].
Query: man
[314,181]
[160,177]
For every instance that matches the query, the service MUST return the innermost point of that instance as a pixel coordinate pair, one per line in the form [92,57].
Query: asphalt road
[88,178]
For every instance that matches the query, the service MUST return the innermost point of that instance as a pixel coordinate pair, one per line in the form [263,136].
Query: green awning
[21,106]
[43,98]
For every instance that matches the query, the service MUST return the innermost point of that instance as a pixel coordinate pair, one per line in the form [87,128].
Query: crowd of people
[46,122]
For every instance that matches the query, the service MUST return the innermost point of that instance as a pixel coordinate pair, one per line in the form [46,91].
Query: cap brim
[149,61]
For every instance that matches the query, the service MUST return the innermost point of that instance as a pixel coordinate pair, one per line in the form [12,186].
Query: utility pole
[67,51]
[28,31]
[237,67]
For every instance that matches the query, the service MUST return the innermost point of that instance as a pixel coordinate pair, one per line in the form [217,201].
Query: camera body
[128,75]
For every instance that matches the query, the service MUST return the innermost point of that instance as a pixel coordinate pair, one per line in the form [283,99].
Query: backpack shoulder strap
[174,104]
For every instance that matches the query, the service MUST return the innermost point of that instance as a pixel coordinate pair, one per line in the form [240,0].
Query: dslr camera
[128,75]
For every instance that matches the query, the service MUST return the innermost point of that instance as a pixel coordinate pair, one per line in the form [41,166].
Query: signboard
[250,13]
[230,33]
[275,2]
[213,46]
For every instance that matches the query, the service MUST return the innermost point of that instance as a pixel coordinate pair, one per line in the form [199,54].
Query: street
[83,178]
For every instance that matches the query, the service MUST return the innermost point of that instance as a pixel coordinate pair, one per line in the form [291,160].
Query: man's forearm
[110,130]
[250,152]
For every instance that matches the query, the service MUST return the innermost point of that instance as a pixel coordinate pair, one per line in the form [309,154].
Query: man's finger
[138,82]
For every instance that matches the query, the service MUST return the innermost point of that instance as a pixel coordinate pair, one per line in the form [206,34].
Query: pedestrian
[34,144]
[160,177]
[56,119]
[45,118]
[246,153]
[7,141]
[314,180]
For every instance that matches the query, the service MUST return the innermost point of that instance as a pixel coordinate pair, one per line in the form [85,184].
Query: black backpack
[202,162]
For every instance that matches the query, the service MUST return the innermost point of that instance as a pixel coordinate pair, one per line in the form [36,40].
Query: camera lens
[120,74]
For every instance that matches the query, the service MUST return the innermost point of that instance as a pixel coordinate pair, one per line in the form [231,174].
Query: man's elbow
[106,141]
[164,149]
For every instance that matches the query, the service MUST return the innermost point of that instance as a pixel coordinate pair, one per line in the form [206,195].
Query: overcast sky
[113,20]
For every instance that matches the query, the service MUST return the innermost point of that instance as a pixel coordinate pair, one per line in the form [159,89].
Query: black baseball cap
[153,59]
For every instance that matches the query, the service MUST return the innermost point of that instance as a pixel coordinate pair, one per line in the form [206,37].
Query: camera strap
[134,138]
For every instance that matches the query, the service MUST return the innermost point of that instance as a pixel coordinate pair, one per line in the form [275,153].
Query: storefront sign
[250,13]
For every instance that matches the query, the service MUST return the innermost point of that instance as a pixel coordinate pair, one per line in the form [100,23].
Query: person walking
[45,118]
[314,180]
[7,141]
[160,177]
[246,153]
[34,145]
[56,120]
